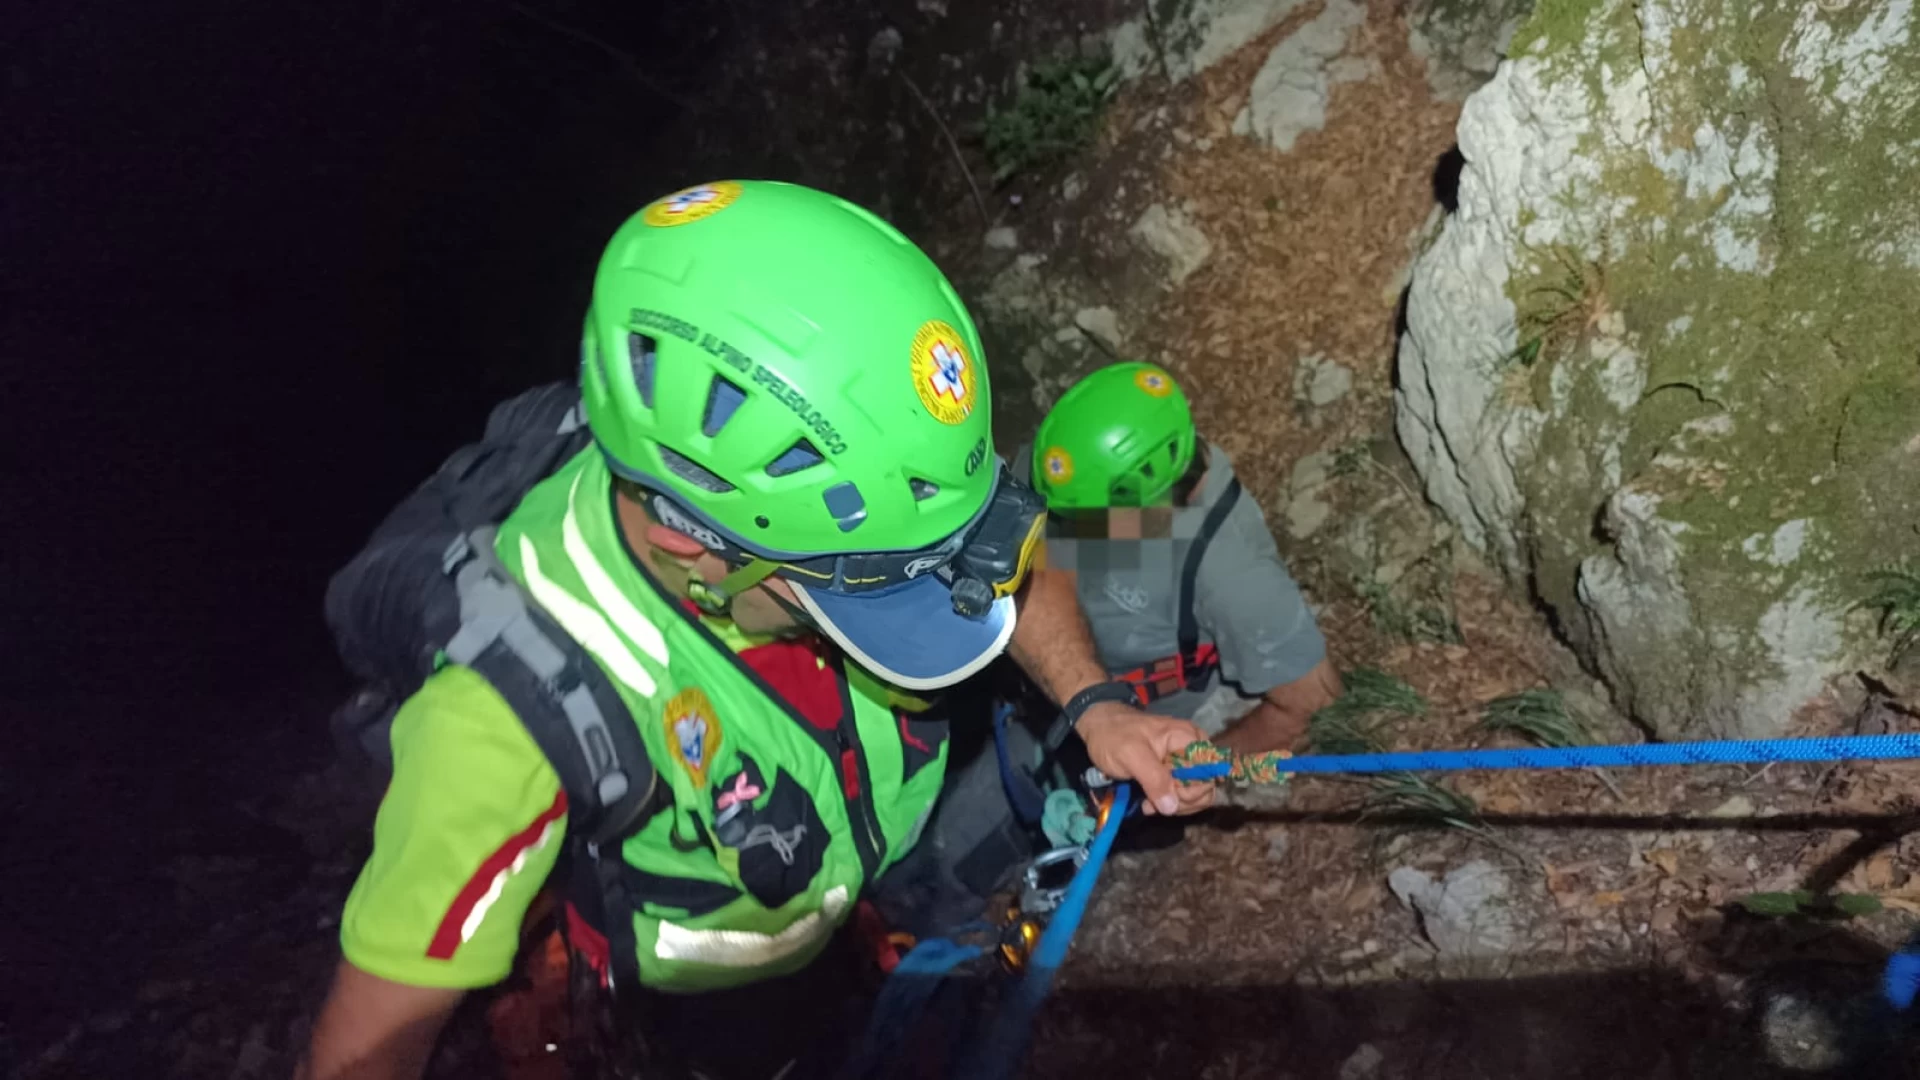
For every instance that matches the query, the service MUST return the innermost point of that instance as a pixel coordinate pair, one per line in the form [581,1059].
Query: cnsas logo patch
[1058,466]
[943,373]
[1154,381]
[691,204]
[693,732]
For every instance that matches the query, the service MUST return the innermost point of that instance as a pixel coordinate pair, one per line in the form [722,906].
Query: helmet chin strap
[801,618]
[716,598]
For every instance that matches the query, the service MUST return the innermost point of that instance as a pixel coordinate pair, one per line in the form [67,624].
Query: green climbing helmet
[789,368]
[793,383]
[1122,436]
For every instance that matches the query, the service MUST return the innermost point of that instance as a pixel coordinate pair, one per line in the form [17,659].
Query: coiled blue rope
[1006,1041]
[904,998]
[1720,752]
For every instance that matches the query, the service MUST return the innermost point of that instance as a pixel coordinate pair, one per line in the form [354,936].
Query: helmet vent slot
[801,455]
[723,397]
[644,354]
[922,489]
[692,472]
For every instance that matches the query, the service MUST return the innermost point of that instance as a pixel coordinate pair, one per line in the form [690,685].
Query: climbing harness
[1189,668]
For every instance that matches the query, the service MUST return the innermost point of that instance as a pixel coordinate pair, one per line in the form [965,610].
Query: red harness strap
[1151,682]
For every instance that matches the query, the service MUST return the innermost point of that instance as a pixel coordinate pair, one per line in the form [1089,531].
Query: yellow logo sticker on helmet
[1058,465]
[1154,381]
[693,731]
[943,372]
[691,204]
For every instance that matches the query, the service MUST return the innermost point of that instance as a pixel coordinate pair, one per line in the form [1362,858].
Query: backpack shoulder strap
[564,699]
[1189,625]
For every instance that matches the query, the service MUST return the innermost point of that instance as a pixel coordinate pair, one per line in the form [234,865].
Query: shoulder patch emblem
[693,732]
[691,204]
[943,373]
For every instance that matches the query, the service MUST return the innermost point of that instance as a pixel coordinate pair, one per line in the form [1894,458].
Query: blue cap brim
[910,635]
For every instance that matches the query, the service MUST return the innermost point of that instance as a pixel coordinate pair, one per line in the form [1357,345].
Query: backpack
[426,591]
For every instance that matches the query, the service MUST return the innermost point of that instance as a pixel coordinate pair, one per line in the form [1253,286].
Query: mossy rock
[1664,363]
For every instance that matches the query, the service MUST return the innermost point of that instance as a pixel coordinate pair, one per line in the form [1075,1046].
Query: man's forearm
[1281,719]
[1052,641]
[1268,727]
[1054,645]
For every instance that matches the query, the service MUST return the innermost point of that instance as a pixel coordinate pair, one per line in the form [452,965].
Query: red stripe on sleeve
[447,938]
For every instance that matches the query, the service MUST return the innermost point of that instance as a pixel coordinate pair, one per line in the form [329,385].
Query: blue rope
[1721,752]
[1006,1041]
[1901,983]
[903,999]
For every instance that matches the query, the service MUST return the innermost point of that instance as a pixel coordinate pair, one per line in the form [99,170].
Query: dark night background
[266,264]
[265,267]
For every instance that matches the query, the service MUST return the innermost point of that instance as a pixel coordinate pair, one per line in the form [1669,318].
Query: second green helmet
[1121,436]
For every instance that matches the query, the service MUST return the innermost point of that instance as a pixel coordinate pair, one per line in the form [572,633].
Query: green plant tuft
[1349,459]
[1539,715]
[1372,690]
[1422,801]
[1411,622]
[1570,296]
[1370,698]
[1055,114]
[1336,732]
[1354,724]
[1896,596]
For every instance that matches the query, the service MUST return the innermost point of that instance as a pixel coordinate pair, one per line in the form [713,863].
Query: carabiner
[1036,899]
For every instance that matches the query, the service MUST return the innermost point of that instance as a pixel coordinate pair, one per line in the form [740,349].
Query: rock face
[1466,912]
[1662,364]
[1289,95]
[1462,41]
[1193,35]
[1173,236]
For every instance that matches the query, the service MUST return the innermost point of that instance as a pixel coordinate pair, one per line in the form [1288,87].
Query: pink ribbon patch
[742,792]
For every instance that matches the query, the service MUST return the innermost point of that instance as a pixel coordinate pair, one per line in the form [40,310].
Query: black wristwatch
[1076,708]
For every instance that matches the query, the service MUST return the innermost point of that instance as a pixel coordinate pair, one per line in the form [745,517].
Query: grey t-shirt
[1245,602]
